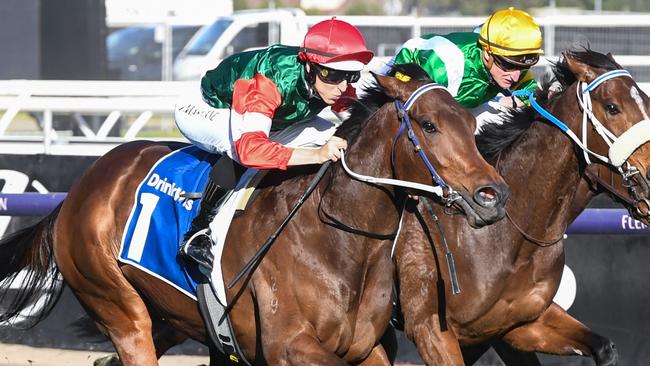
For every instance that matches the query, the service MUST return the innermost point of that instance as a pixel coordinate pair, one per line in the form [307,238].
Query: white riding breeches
[211,129]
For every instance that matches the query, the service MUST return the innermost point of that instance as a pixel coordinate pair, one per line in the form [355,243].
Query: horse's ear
[582,71]
[393,87]
[611,57]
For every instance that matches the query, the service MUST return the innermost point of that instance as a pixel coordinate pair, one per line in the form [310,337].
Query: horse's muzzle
[487,197]
[492,196]
[486,206]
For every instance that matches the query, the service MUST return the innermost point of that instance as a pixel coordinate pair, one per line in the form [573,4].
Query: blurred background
[147,39]
[78,77]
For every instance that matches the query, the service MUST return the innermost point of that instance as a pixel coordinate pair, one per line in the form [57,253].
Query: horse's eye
[612,109]
[428,127]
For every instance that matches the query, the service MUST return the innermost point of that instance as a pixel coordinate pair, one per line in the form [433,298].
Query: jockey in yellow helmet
[512,40]
[476,67]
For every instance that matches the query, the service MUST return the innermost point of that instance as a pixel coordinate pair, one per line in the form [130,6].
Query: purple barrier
[606,221]
[29,204]
[591,221]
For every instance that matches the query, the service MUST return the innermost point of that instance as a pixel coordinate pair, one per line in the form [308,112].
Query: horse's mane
[374,98]
[497,137]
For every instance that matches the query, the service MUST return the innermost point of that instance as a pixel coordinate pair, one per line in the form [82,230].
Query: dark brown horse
[509,272]
[321,295]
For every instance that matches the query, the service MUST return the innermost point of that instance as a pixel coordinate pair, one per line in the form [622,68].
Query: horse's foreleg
[435,346]
[556,332]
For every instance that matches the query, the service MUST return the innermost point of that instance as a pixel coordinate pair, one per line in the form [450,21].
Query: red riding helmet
[335,44]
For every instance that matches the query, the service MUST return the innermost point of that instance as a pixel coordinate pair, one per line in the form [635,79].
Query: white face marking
[634,93]
[577,351]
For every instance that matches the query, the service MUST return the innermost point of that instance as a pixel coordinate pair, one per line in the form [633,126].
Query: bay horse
[509,272]
[322,295]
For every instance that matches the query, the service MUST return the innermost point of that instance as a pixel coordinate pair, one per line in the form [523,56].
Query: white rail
[103,102]
[139,102]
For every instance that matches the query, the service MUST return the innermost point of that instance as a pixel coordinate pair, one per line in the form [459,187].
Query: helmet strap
[488,59]
[311,80]
[311,73]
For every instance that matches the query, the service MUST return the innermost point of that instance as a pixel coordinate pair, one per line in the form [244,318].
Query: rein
[621,147]
[609,187]
[634,200]
[451,264]
[539,242]
[252,264]
[334,222]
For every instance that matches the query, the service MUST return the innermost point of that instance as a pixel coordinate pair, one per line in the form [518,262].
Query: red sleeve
[253,101]
[255,150]
[258,94]
[347,98]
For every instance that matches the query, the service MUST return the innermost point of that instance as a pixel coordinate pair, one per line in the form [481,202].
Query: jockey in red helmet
[260,108]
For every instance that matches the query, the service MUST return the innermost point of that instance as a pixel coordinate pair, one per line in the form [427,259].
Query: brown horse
[509,272]
[321,295]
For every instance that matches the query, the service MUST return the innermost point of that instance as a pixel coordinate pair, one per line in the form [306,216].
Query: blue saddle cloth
[160,217]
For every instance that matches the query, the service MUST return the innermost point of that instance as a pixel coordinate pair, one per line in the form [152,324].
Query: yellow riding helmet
[511,32]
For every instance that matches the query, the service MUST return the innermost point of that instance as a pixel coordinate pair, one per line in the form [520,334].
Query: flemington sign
[607,221]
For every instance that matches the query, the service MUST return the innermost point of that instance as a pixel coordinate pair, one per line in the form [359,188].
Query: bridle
[620,147]
[439,187]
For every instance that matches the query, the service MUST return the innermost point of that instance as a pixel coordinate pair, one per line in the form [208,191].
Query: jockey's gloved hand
[331,150]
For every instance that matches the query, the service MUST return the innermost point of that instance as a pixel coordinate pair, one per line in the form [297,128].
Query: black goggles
[515,63]
[335,77]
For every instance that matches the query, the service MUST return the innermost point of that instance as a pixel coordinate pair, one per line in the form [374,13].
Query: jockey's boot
[197,243]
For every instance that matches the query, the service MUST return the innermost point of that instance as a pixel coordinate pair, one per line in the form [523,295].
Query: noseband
[620,147]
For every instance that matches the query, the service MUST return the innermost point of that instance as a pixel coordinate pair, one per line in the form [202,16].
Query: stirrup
[198,248]
[192,195]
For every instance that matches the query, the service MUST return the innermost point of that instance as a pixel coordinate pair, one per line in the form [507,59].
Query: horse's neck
[359,204]
[543,172]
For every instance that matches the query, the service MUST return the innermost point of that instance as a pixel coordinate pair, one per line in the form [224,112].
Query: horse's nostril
[486,197]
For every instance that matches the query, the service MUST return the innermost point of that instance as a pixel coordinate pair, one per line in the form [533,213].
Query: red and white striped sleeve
[254,102]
